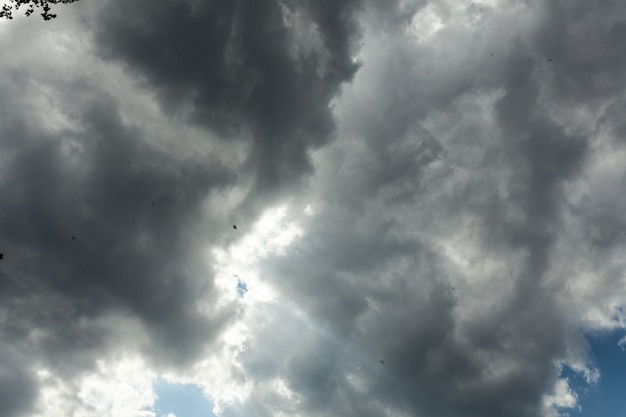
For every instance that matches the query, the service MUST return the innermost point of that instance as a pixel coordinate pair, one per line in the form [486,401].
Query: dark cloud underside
[237,67]
[96,222]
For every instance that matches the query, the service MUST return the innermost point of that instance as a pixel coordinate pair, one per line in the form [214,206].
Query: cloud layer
[426,197]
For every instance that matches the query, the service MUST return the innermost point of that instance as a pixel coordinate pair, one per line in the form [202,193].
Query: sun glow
[237,265]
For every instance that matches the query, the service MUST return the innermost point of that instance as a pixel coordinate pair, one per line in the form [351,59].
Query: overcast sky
[347,208]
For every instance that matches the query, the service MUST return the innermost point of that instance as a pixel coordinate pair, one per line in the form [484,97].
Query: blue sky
[608,397]
[184,400]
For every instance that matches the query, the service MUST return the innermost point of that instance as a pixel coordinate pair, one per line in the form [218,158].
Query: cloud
[109,200]
[98,220]
[263,72]
[425,196]
[18,389]
[442,217]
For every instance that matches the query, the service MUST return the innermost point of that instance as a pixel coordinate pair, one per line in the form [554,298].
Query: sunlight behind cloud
[237,267]
[425,23]
[270,235]
[116,388]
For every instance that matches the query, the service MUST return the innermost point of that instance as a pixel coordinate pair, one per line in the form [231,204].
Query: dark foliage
[14,5]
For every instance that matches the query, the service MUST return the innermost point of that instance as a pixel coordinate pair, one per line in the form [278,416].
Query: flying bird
[234,226]
[381,361]
[1,255]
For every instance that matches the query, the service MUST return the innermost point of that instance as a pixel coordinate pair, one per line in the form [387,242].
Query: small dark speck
[73,237]
[549,59]
[452,288]
[234,226]
[492,54]
[153,203]
[382,361]
[1,255]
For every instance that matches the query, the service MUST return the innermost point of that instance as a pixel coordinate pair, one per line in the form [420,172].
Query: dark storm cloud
[371,267]
[18,389]
[93,223]
[578,44]
[429,280]
[237,66]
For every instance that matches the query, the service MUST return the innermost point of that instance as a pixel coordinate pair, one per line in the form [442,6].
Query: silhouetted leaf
[14,5]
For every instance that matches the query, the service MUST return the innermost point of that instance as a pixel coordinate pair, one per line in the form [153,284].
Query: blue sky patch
[242,288]
[184,400]
[608,397]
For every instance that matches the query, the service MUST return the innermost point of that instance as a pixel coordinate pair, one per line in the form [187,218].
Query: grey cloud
[603,214]
[376,260]
[103,225]
[96,221]
[18,389]
[582,41]
[466,149]
[231,63]
[611,121]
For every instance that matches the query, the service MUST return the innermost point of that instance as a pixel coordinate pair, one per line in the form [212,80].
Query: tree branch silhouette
[14,5]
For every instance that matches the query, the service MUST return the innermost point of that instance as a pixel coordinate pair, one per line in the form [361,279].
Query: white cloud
[118,387]
[622,343]
[562,397]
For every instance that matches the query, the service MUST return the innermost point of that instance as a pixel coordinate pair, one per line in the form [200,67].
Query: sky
[347,208]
